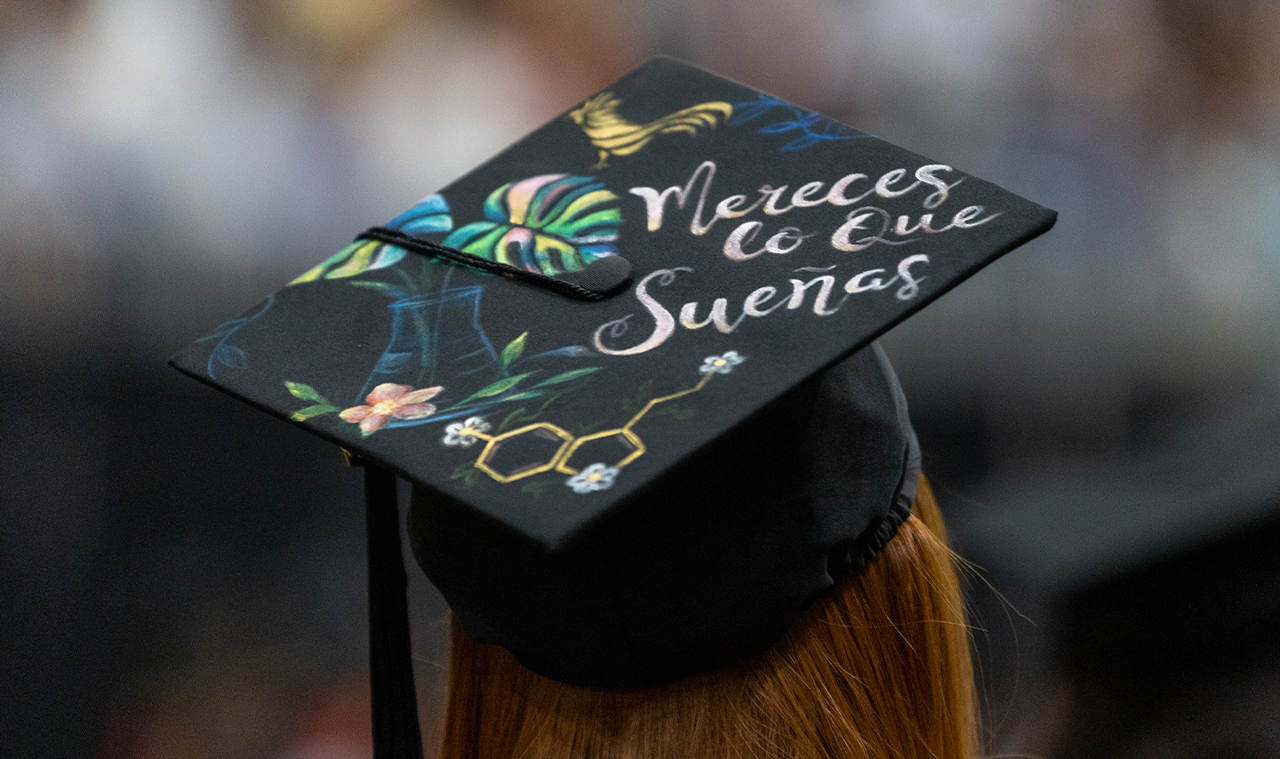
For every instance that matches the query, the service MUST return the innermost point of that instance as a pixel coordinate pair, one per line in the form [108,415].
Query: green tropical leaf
[514,418]
[476,238]
[495,206]
[568,376]
[536,489]
[513,350]
[356,258]
[467,473]
[550,223]
[643,394]
[318,271]
[310,411]
[500,386]
[361,259]
[306,393]
[586,428]
[523,396]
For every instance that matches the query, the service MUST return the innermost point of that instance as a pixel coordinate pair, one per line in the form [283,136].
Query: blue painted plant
[548,223]
[437,345]
[813,127]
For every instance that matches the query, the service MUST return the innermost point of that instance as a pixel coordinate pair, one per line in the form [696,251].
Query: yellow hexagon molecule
[524,452]
[616,447]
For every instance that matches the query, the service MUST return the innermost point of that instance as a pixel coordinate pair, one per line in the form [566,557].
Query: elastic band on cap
[600,279]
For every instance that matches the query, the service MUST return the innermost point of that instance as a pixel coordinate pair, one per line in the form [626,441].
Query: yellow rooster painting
[614,135]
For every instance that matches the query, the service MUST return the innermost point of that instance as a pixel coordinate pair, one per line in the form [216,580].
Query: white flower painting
[594,477]
[721,364]
[465,434]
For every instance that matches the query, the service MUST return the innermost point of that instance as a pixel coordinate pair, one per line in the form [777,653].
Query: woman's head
[878,668]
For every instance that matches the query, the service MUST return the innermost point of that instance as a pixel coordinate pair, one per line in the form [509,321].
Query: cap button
[604,276]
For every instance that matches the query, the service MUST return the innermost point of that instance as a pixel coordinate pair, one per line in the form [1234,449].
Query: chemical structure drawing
[593,461]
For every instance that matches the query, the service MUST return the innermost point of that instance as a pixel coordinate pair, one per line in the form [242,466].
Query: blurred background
[1099,411]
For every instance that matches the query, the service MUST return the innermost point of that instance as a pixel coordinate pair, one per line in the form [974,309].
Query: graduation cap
[628,366]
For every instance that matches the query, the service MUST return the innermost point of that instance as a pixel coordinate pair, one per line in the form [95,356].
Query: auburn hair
[878,669]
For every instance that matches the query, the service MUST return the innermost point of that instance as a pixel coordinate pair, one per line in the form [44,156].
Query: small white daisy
[594,477]
[722,364]
[465,433]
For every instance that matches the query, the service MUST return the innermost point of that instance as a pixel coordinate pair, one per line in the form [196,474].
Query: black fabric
[708,566]
[604,276]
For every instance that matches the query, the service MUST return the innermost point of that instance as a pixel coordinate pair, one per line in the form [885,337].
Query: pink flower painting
[391,401]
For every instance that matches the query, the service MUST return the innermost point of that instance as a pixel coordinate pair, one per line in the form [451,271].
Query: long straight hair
[878,669]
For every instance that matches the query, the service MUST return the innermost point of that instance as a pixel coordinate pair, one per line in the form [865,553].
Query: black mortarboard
[627,364]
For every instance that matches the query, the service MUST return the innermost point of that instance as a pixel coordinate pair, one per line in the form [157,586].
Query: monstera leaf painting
[550,224]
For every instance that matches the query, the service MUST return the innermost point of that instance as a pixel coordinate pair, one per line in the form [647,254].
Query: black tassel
[396,734]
